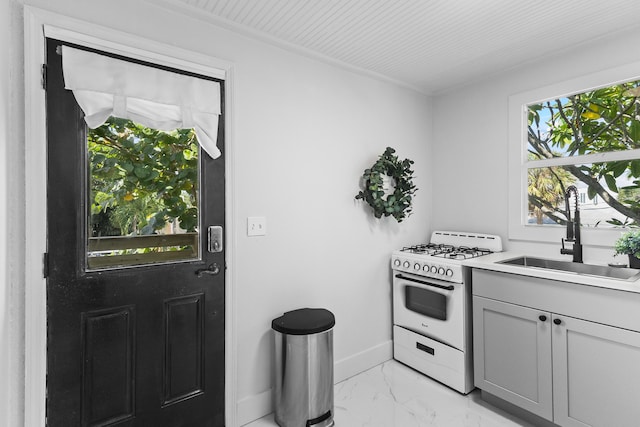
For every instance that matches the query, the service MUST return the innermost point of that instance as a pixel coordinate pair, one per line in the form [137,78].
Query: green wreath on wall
[398,203]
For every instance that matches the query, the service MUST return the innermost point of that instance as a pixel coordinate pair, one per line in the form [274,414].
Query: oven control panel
[427,266]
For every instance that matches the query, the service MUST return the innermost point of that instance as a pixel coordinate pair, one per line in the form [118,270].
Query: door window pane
[143,195]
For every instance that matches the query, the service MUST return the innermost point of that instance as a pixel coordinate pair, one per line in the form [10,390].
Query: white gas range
[431,305]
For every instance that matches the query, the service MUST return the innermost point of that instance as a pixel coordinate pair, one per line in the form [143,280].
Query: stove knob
[425,268]
[441,270]
[449,272]
[416,266]
[397,263]
[434,269]
[406,264]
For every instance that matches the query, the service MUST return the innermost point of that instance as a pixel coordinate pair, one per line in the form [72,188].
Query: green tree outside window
[604,120]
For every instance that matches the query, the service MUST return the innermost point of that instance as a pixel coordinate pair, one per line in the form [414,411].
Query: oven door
[430,307]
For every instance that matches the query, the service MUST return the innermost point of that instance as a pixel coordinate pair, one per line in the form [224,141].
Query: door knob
[557,321]
[212,270]
[542,318]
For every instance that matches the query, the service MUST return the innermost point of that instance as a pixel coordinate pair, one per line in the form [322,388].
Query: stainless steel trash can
[304,368]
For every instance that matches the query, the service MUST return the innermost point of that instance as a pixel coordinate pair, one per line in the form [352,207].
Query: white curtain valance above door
[105,86]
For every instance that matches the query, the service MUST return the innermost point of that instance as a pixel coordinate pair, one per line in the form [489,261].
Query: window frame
[519,164]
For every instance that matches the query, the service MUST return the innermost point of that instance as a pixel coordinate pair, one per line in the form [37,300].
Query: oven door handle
[411,279]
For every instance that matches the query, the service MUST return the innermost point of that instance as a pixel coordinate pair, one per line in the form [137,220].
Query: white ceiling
[429,45]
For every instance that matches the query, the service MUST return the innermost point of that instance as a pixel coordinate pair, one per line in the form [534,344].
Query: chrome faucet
[573,226]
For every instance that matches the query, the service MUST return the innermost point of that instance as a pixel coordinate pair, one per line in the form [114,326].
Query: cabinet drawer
[602,305]
[438,361]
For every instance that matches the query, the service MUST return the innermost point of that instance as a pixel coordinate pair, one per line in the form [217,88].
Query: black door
[135,305]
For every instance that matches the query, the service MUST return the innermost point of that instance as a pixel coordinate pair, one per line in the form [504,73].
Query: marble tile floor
[393,395]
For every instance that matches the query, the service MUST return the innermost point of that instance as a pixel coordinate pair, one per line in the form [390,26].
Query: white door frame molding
[40,24]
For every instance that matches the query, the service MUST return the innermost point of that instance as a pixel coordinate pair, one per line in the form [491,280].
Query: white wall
[5,294]
[303,132]
[11,216]
[471,140]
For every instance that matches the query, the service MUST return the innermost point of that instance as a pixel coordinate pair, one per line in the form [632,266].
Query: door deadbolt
[214,238]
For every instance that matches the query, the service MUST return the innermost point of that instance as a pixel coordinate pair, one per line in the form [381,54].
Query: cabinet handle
[542,318]
[557,321]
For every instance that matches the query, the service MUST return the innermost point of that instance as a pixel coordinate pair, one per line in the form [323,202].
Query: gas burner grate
[447,251]
[463,252]
[428,248]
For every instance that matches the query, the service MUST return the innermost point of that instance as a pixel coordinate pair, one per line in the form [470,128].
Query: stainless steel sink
[629,274]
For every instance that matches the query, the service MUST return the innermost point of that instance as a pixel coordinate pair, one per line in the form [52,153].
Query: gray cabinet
[512,354]
[596,374]
[531,350]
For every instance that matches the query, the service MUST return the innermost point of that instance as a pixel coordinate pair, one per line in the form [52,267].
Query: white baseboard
[360,362]
[256,406]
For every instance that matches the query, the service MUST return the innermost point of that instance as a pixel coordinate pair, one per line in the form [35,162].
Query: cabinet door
[596,374]
[512,354]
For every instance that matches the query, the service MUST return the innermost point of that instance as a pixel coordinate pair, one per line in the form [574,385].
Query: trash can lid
[304,321]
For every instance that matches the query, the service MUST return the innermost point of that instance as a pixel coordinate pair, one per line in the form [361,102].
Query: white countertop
[489,262]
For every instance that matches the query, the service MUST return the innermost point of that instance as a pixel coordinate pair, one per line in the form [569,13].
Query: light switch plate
[256,226]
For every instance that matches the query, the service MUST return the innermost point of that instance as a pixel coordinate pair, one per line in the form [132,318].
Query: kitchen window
[568,135]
